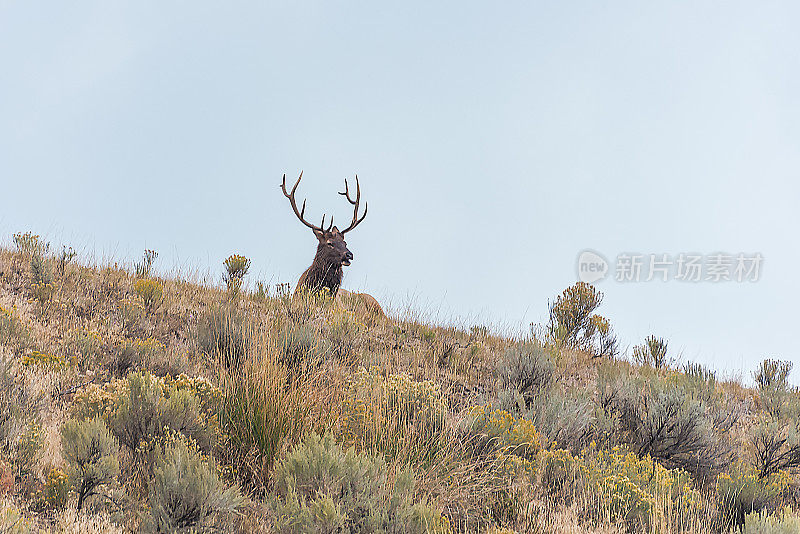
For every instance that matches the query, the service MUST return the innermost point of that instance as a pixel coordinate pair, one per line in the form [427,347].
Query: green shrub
[146,408]
[304,348]
[186,493]
[776,445]
[91,454]
[775,438]
[343,331]
[322,487]
[137,354]
[527,369]
[659,418]
[741,491]
[42,285]
[40,270]
[226,333]
[573,323]
[25,446]
[773,386]
[236,267]
[151,292]
[260,411]
[13,333]
[564,417]
[773,374]
[653,353]
[699,382]
[763,523]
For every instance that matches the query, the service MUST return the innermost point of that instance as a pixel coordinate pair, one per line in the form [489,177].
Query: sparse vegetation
[166,406]
[653,353]
[144,267]
[236,267]
[574,325]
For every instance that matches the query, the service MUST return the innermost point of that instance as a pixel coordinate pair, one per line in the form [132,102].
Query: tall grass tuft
[260,411]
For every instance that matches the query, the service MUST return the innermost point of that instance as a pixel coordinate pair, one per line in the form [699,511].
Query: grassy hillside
[131,402]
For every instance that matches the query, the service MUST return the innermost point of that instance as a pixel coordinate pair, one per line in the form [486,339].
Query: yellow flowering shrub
[151,292]
[30,243]
[396,414]
[633,489]
[236,267]
[43,292]
[26,449]
[740,491]
[208,393]
[140,408]
[573,323]
[95,400]
[55,492]
[557,469]
[138,353]
[501,430]
[43,359]
[13,522]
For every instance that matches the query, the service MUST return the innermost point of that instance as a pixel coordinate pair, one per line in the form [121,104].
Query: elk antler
[302,211]
[356,220]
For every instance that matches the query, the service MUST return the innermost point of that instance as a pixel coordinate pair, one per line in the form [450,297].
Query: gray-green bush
[304,348]
[763,523]
[322,487]
[652,352]
[186,493]
[526,368]
[775,439]
[91,454]
[659,418]
[225,333]
[146,409]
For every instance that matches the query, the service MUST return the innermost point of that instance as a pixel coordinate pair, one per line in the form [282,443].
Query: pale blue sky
[494,142]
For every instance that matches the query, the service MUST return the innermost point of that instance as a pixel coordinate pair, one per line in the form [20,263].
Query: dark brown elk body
[332,253]
[326,269]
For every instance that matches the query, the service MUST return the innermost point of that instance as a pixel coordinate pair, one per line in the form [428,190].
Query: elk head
[332,251]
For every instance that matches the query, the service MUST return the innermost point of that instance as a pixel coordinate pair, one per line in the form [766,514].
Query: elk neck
[326,270]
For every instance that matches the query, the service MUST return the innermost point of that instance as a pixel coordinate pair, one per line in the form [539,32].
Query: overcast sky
[494,142]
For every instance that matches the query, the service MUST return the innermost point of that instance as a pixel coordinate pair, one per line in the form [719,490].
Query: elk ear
[319,233]
[335,230]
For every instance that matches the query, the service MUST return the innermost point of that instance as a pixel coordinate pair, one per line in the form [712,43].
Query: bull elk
[326,271]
